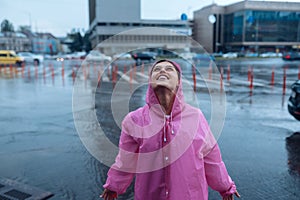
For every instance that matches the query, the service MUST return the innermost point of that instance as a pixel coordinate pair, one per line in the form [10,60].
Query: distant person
[168,147]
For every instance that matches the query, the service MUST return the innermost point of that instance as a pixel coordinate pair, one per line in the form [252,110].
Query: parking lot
[41,146]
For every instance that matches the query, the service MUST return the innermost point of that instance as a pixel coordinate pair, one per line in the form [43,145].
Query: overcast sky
[61,16]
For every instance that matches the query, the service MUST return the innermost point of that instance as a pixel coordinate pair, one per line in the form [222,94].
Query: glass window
[272,26]
[233,24]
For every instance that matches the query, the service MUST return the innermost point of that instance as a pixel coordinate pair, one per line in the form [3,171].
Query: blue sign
[183,17]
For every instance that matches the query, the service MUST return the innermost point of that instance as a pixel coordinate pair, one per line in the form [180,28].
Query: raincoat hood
[151,98]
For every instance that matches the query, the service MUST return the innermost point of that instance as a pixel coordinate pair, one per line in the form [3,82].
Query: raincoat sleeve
[121,173]
[215,170]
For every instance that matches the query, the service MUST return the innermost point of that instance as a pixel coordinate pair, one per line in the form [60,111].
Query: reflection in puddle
[293,149]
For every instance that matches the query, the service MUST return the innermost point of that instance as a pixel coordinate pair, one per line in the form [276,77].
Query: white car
[230,55]
[188,55]
[269,55]
[123,56]
[96,56]
[31,58]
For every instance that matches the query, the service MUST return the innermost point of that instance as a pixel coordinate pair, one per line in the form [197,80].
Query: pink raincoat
[173,157]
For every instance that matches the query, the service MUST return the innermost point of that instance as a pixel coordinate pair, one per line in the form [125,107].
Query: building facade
[45,43]
[110,18]
[14,41]
[41,43]
[248,26]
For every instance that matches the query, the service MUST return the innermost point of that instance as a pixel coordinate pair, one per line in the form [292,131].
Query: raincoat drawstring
[165,124]
[168,119]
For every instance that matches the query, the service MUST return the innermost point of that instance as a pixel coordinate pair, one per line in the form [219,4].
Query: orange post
[11,70]
[63,74]
[88,71]
[142,69]
[249,73]
[134,70]
[194,78]
[99,79]
[73,75]
[124,69]
[44,74]
[221,79]
[130,80]
[4,70]
[251,81]
[23,69]
[63,70]
[228,72]
[114,75]
[28,72]
[284,81]
[84,72]
[52,74]
[16,72]
[273,77]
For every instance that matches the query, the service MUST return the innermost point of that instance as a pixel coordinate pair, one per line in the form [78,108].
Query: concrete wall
[118,11]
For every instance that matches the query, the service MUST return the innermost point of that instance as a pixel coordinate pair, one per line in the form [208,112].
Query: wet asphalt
[40,144]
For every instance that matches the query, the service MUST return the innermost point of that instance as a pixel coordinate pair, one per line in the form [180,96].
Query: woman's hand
[108,195]
[231,197]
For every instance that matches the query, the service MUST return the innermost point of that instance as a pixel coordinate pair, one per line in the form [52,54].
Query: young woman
[168,146]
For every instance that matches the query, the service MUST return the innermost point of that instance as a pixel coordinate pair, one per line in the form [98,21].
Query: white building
[109,18]
[14,41]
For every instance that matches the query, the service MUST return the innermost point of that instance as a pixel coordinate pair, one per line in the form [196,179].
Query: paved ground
[40,145]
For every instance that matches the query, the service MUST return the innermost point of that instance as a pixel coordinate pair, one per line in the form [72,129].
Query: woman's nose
[162,70]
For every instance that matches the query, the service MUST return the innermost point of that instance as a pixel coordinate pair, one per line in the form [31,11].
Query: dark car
[294,100]
[143,56]
[291,56]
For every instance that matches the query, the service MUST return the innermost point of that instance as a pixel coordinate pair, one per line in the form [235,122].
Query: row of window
[143,38]
[264,26]
[16,48]
[141,24]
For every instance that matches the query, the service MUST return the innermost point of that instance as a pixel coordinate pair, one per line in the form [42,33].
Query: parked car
[78,55]
[122,56]
[291,56]
[230,55]
[200,57]
[31,58]
[188,55]
[164,53]
[143,56]
[251,55]
[269,55]
[294,100]
[10,57]
[96,56]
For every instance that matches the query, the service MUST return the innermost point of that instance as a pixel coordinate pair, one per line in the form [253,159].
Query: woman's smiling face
[164,74]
